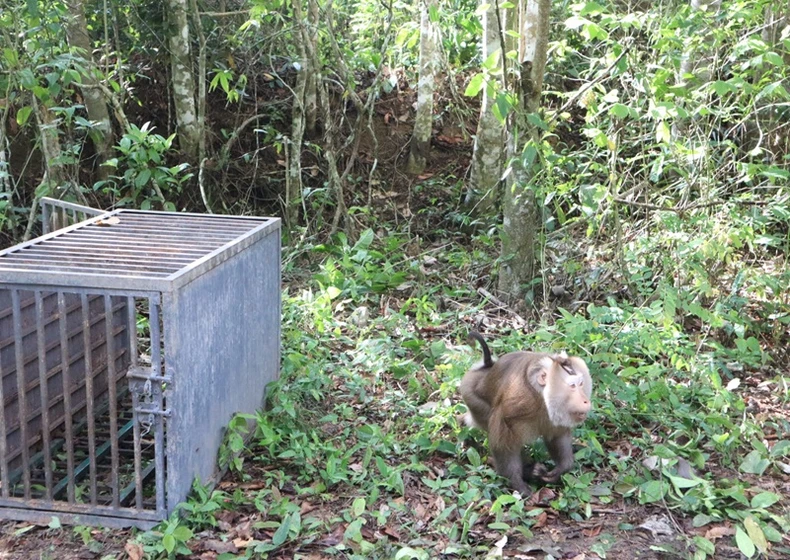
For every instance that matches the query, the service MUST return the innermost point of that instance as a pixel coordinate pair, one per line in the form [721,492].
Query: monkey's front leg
[510,465]
[561,452]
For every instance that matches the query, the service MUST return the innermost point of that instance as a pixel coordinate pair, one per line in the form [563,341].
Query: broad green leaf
[408,553]
[142,178]
[705,545]
[756,534]
[354,530]
[619,110]
[475,85]
[701,520]
[722,88]
[663,133]
[281,534]
[358,507]
[182,533]
[492,62]
[745,544]
[333,292]
[169,542]
[754,463]
[652,491]
[473,456]
[502,500]
[780,448]
[23,115]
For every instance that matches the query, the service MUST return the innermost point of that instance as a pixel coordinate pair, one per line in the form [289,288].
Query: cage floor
[104,489]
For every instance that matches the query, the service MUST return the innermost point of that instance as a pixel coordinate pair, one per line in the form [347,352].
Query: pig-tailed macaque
[523,396]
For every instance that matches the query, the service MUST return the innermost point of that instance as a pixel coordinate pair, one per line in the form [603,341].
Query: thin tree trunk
[423,120]
[519,209]
[201,105]
[293,180]
[95,105]
[489,145]
[312,72]
[183,82]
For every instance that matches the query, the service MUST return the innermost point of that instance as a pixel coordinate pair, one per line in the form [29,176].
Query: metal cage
[127,342]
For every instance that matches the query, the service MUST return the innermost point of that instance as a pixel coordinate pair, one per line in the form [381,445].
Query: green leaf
[281,534]
[652,491]
[333,292]
[745,544]
[354,530]
[169,542]
[55,523]
[23,115]
[358,507]
[182,533]
[142,178]
[765,499]
[502,500]
[662,132]
[411,553]
[492,62]
[475,85]
[705,545]
[756,534]
[722,88]
[619,110]
[701,519]
[473,456]
[754,463]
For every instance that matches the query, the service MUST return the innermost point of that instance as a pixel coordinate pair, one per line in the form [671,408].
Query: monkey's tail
[487,361]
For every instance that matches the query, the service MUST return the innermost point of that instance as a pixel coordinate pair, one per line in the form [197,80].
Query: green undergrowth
[359,454]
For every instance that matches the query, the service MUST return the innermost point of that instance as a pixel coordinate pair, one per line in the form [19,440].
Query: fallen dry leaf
[542,496]
[540,520]
[243,543]
[218,546]
[114,220]
[306,507]
[719,532]
[134,550]
[593,531]
[335,537]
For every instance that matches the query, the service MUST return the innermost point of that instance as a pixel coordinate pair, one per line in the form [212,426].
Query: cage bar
[127,342]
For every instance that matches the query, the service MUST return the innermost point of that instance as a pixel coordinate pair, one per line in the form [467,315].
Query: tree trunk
[95,105]
[489,140]
[423,120]
[293,180]
[310,96]
[183,82]
[520,213]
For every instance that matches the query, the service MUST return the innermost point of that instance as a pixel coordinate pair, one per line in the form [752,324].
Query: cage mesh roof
[131,249]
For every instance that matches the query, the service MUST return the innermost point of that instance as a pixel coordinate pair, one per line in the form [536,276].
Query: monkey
[523,396]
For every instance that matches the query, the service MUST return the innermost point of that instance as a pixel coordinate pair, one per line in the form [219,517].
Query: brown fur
[524,396]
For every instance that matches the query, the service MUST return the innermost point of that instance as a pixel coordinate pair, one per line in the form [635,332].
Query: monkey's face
[567,392]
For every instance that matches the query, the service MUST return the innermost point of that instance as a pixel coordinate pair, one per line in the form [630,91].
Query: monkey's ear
[542,377]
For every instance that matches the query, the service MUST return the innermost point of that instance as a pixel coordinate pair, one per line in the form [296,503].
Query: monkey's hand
[550,476]
[535,471]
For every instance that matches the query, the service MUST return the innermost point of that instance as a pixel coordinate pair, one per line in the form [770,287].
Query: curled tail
[487,361]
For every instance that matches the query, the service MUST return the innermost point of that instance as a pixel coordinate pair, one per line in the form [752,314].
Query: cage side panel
[222,346]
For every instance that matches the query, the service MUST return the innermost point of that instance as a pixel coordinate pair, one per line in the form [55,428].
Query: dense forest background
[610,178]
